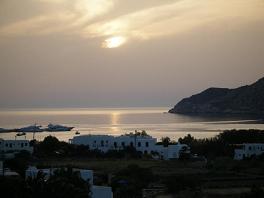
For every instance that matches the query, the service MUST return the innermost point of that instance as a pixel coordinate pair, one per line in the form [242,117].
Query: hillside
[248,99]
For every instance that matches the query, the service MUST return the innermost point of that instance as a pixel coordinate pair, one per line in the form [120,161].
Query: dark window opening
[147,144]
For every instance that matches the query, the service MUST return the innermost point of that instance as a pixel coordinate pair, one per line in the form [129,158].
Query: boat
[21,134]
[57,127]
[77,133]
[31,128]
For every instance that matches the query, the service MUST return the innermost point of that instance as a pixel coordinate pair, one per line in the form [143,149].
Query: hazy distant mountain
[248,99]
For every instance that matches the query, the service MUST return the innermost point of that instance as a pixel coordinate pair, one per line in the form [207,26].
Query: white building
[87,175]
[172,151]
[146,144]
[248,150]
[15,145]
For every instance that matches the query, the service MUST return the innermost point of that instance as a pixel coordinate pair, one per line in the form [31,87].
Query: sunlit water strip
[117,121]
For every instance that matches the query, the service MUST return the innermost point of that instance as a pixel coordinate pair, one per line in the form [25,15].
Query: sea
[117,121]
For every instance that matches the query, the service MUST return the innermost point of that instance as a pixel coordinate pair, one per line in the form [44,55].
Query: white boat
[31,128]
[57,127]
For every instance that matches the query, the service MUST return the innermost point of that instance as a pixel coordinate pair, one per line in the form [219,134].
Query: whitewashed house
[172,151]
[144,143]
[87,175]
[15,145]
[248,150]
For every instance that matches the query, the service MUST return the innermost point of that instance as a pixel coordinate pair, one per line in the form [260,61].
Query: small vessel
[21,134]
[31,128]
[57,127]
[77,133]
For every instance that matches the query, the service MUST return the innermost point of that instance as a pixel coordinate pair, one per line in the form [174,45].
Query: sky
[126,53]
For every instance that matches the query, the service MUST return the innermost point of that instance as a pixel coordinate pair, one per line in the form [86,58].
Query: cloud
[174,18]
[84,18]
[61,15]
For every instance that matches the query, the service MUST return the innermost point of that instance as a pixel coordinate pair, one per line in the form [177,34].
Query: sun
[114,42]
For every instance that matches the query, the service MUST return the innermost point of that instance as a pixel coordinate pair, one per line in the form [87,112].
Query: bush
[129,182]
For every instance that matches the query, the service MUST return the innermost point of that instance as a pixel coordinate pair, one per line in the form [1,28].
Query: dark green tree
[165,141]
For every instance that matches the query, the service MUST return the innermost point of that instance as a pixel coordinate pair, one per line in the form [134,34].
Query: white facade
[248,150]
[87,175]
[172,151]
[146,144]
[15,145]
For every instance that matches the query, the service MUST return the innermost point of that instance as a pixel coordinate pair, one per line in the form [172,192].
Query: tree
[19,163]
[64,183]
[186,140]
[129,182]
[165,141]
[47,147]
[13,187]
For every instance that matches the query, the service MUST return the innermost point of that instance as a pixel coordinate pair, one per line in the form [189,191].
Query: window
[115,144]
[139,144]
[22,145]
[6,145]
[147,144]
[10,145]
[131,144]
[123,144]
[26,144]
[102,143]
[94,141]
[249,148]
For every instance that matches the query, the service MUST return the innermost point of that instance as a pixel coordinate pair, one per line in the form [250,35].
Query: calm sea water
[116,121]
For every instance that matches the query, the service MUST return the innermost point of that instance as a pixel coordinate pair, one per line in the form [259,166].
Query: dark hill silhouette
[248,99]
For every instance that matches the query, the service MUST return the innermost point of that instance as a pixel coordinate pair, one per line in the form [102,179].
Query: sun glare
[114,42]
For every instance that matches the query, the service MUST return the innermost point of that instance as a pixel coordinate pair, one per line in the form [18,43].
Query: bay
[117,121]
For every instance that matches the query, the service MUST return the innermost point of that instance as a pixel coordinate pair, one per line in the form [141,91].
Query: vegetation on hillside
[224,143]
[63,184]
[130,181]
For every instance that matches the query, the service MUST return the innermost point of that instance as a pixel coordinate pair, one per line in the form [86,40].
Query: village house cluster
[143,143]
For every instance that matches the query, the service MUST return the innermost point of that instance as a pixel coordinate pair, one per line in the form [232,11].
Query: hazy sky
[116,53]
